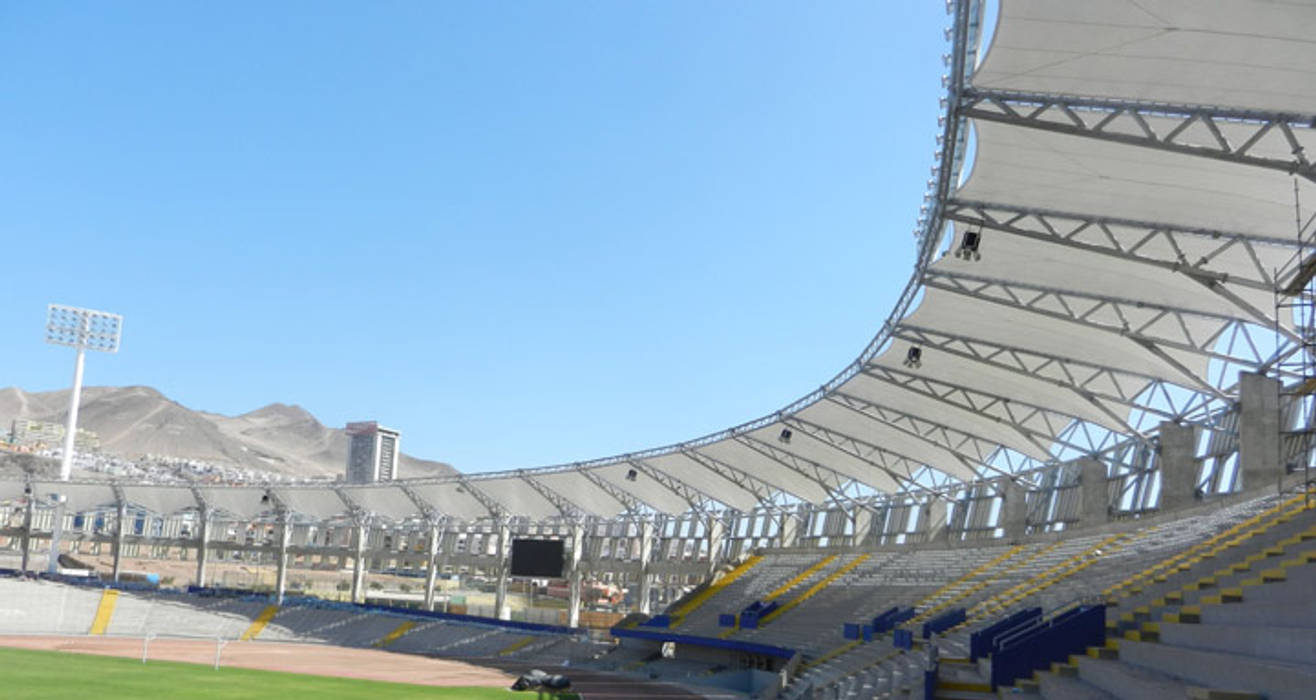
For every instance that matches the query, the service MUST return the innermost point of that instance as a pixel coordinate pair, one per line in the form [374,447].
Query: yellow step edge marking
[679,615]
[397,633]
[963,579]
[800,577]
[104,611]
[813,589]
[518,644]
[258,625]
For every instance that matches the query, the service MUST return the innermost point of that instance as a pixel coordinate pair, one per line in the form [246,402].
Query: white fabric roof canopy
[1120,245]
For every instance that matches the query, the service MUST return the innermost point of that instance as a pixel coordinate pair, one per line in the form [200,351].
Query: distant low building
[39,435]
[372,454]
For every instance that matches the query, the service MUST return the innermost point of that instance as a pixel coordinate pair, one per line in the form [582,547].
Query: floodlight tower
[83,329]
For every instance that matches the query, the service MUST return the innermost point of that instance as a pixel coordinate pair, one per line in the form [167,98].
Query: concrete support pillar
[790,529]
[1258,431]
[1014,510]
[576,574]
[28,514]
[646,553]
[933,520]
[432,564]
[1094,492]
[121,517]
[359,535]
[1177,457]
[202,545]
[863,525]
[716,533]
[281,572]
[502,571]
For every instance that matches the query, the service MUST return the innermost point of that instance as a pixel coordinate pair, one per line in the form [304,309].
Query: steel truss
[699,501]
[1151,325]
[633,504]
[899,467]
[833,482]
[1152,243]
[765,492]
[569,509]
[1010,413]
[974,452]
[1185,128]
[1096,384]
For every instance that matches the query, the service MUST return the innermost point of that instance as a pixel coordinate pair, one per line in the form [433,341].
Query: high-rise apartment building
[372,454]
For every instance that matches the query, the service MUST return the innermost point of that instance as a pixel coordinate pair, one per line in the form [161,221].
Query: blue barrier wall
[709,642]
[1019,654]
[982,642]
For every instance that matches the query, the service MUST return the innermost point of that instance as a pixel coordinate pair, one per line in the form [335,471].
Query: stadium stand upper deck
[1101,366]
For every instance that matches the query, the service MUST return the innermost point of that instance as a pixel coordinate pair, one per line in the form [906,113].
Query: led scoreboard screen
[538,558]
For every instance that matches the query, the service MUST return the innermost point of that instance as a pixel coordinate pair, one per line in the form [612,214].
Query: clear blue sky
[522,233]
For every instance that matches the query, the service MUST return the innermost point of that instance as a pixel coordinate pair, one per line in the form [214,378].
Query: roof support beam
[1088,310]
[831,481]
[766,493]
[972,447]
[1100,118]
[1152,243]
[699,501]
[1080,377]
[629,501]
[973,451]
[564,505]
[1017,414]
[495,508]
[886,460]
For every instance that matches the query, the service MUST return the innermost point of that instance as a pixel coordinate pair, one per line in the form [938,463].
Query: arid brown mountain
[137,420]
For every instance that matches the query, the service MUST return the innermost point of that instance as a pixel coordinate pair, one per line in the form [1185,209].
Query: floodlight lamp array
[83,328]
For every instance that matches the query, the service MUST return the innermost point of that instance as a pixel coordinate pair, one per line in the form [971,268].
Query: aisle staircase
[258,624]
[104,611]
[685,609]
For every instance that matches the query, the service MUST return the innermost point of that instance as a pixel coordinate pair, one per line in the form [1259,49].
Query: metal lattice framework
[1109,264]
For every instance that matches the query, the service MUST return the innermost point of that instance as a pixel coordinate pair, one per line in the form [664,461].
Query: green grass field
[28,675]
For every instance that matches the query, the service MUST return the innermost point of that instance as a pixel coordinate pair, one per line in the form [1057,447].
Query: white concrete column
[1258,431]
[281,572]
[502,571]
[646,553]
[360,532]
[432,564]
[716,533]
[28,515]
[202,544]
[789,529]
[121,516]
[933,520]
[576,574]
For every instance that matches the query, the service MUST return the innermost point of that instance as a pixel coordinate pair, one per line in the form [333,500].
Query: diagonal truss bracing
[564,505]
[1096,384]
[1153,243]
[699,501]
[1152,325]
[1010,413]
[1189,129]
[766,493]
[632,503]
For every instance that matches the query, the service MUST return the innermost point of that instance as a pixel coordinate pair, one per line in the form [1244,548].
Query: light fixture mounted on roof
[631,474]
[969,246]
[785,436]
[914,358]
